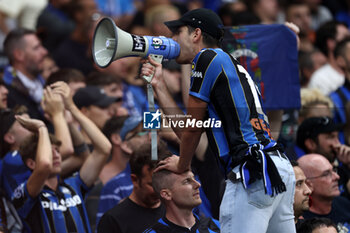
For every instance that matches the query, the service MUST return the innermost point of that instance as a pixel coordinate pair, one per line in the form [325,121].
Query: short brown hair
[66,75]
[143,157]
[102,79]
[161,180]
[14,40]
[29,146]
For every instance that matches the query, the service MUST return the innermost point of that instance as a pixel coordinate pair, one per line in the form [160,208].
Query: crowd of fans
[72,134]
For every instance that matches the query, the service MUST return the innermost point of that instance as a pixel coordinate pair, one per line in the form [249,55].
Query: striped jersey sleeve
[204,72]
[55,211]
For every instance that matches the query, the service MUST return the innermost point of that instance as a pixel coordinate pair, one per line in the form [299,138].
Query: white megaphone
[111,43]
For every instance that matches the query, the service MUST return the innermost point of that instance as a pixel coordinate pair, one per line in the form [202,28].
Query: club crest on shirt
[65,190]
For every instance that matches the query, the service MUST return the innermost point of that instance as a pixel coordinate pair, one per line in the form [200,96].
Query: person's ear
[165,194]
[134,179]
[31,164]
[197,34]
[126,148]
[115,139]
[9,138]
[310,145]
[18,54]
[85,111]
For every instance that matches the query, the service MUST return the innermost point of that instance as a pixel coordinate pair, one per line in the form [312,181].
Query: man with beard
[22,77]
[142,208]
[320,135]
[302,192]
[322,178]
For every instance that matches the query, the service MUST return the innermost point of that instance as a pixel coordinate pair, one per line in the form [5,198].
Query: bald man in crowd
[322,178]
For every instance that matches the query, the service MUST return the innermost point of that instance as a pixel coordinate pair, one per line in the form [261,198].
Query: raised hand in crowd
[101,145]
[43,156]
[53,107]
[63,89]
[32,125]
[170,163]
[295,29]
[52,104]
[342,153]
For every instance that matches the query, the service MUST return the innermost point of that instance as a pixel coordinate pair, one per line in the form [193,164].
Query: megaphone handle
[154,144]
[157,58]
[151,106]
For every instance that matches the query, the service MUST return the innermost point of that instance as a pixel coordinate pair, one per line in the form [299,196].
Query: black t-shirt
[339,214]
[128,217]
[344,174]
[202,225]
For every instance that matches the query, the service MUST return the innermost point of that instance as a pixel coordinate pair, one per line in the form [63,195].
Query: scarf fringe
[277,190]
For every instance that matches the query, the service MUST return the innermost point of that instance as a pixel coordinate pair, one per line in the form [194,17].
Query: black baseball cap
[313,126]
[205,19]
[93,95]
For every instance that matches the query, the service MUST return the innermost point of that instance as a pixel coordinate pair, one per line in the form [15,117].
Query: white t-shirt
[326,79]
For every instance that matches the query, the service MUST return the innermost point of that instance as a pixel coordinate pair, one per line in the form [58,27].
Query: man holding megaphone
[260,181]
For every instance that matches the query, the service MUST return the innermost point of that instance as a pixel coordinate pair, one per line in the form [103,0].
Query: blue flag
[269,53]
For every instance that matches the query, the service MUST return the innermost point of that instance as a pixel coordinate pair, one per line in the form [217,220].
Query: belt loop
[234,176]
[279,154]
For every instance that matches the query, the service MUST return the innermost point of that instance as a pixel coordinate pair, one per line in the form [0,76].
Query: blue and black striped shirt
[202,225]
[234,99]
[60,211]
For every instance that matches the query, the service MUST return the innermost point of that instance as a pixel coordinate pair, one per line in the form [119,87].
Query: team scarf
[258,165]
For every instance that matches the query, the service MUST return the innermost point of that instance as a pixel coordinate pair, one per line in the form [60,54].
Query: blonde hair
[159,14]
[310,98]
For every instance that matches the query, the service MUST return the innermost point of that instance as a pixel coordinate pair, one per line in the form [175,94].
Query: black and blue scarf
[258,165]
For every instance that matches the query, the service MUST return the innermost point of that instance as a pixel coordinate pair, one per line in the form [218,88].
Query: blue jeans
[252,211]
